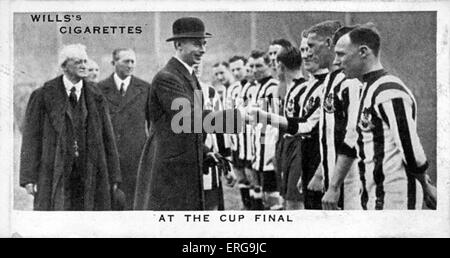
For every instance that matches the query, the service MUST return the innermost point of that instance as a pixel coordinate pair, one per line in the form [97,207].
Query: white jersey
[340,102]
[387,144]
[265,135]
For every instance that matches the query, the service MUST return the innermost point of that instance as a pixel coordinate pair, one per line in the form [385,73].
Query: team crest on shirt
[290,107]
[312,102]
[328,104]
[366,120]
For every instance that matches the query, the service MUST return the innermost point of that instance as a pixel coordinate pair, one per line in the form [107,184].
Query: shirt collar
[69,85]
[371,77]
[321,71]
[189,68]
[264,80]
[119,81]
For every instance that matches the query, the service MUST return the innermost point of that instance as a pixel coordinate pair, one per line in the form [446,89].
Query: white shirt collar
[189,68]
[321,71]
[69,85]
[119,81]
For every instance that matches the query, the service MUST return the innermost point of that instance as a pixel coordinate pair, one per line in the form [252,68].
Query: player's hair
[341,32]
[325,29]
[224,63]
[255,54]
[116,52]
[282,42]
[236,58]
[366,35]
[291,57]
[71,51]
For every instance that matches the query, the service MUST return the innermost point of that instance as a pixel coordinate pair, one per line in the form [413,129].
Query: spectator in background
[69,159]
[93,71]
[128,99]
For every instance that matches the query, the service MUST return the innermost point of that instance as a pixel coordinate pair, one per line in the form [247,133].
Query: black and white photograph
[263,118]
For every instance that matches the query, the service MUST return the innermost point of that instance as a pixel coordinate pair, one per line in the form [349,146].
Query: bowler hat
[118,200]
[188,27]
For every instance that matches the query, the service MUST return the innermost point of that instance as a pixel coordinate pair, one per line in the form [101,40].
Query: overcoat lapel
[112,93]
[56,102]
[197,93]
[134,90]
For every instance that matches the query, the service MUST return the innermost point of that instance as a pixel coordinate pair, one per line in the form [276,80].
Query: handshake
[252,113]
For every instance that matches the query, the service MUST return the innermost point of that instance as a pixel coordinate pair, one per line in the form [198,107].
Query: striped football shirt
[265,135]
[387,144]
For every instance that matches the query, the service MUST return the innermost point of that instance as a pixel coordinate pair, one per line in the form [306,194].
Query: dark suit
[170,171]
[130,117]
[48,157]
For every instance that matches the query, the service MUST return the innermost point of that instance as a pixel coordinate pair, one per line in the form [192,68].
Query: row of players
[334,129]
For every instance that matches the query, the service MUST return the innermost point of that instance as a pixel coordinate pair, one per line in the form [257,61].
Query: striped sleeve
[306,123]
[271,96]
[348,145]
[399,115]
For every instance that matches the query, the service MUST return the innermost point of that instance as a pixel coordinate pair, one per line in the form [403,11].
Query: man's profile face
[273,52]
[75,67]
[348,58]
[93,71]
[221,74]
[238,70]
[192,50]
[304,47]
[125,63]
[258,67]
[318,54]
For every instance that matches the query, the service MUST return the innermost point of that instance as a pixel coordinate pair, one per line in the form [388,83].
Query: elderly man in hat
[170,172]
[69,159]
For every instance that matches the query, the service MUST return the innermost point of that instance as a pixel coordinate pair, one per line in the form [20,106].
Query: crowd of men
[319,126]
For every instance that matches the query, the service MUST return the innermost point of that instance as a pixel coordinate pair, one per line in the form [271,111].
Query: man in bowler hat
[170,172]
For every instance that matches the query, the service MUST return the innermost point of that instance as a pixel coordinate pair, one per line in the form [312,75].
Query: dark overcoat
[44,154]
[130,119]
[170,171]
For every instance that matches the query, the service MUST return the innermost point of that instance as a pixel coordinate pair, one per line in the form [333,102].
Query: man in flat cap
[170,171]
[69,158]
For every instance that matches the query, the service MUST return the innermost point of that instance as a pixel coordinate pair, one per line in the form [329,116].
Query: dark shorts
[291,165]
[268,181]
[237,162]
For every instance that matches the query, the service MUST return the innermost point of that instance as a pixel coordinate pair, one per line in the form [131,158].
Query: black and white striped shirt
[245,139]
[233,95]
[386,138]
[265,135]
[308,120]
[338,111]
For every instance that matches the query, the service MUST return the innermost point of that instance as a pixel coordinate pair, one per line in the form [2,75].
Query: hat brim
[190,36]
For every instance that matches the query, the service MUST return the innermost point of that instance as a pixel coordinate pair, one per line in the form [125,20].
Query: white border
[307,223]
